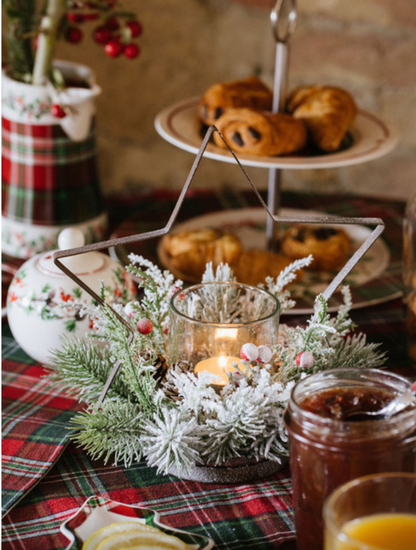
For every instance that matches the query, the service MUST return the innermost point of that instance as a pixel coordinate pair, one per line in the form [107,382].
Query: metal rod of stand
[287,10]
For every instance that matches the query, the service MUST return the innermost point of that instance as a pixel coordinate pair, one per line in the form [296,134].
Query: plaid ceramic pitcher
[49,174]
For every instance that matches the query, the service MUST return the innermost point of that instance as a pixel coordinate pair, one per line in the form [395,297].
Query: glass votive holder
[210,322]
[375,512]
[327,447]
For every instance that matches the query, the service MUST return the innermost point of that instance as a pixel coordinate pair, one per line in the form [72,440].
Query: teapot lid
[79,264]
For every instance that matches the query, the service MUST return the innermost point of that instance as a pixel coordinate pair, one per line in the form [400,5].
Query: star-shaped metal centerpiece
[315,219]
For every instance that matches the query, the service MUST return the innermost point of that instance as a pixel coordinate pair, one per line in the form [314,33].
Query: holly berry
[75,17]
[145,326]
[73,35]
[265,354]
[136,28]
[102,35]
[113,48]
[249,352]
[92,15]
[131,51]
[305,359]
[57,111]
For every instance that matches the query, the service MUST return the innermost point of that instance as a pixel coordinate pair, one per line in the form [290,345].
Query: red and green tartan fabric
[48,179]
[34,421]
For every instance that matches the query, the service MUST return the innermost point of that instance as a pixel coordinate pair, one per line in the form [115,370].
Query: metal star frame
[316,219]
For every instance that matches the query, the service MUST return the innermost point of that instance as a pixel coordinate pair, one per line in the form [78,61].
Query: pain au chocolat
[329,246]
[261,133]
[219,98]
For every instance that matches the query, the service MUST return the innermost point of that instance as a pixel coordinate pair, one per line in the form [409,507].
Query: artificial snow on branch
[169,416]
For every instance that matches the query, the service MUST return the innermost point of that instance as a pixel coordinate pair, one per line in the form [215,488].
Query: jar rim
[361,377]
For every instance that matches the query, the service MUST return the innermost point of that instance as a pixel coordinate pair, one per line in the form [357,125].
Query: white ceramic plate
[372,138]
[369,281]
[98,512]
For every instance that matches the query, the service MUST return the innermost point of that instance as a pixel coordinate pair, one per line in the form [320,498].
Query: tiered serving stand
[371,137]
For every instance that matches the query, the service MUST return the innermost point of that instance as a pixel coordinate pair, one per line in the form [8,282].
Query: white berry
[265,354]
[305,359]
[249,352]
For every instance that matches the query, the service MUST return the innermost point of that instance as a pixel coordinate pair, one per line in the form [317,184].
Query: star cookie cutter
[315,219]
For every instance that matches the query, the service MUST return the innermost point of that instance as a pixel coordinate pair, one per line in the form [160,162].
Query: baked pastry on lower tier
[253,266]
[327,111]
[329,246]
[219,98]
[190,251]
[260,133]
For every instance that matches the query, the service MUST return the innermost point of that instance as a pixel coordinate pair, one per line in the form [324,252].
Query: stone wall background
[366,46]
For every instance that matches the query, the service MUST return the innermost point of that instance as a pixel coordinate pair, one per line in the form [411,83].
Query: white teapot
[39,290]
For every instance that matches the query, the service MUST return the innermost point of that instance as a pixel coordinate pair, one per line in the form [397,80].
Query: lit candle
[219,366]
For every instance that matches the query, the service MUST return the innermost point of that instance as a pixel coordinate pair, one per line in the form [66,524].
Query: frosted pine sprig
[171,440]
[245,419]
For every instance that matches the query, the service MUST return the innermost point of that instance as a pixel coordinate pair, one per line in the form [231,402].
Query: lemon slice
[136,539]
[98,536]
[131,535]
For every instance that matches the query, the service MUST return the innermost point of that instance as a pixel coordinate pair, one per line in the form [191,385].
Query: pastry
[260,133]
[219,98]
[253,266]
[329,246]
[327,111]
[190,251]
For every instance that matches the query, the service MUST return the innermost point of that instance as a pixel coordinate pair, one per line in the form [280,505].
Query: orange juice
[392,531]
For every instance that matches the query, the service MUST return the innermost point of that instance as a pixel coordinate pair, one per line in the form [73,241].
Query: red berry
[101,35]
[136,28]
[92,15]
[131,51]
[75,17]
[249,352]
[57,111]
[113,48]
[145,326]
[73,35]
[305,359]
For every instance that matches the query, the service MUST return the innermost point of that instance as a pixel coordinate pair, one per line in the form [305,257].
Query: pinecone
[168,384]
[158,361]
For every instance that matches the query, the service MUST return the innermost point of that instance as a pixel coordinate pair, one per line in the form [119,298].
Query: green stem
[47,40]
[20,17]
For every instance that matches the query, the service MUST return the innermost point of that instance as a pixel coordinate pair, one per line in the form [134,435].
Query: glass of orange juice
[376,512]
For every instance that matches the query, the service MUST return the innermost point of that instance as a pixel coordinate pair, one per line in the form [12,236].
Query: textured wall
[366,46]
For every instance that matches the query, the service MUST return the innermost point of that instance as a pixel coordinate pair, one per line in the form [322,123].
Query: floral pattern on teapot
[57,303]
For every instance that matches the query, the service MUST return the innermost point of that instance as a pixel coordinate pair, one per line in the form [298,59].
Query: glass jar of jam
[328,447]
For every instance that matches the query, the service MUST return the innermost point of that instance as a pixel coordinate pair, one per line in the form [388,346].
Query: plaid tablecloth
[254,515]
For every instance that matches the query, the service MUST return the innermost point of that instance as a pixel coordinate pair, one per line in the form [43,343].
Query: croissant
[190,250]
[261,133]
[249,92]
[327,111]
[253,266]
